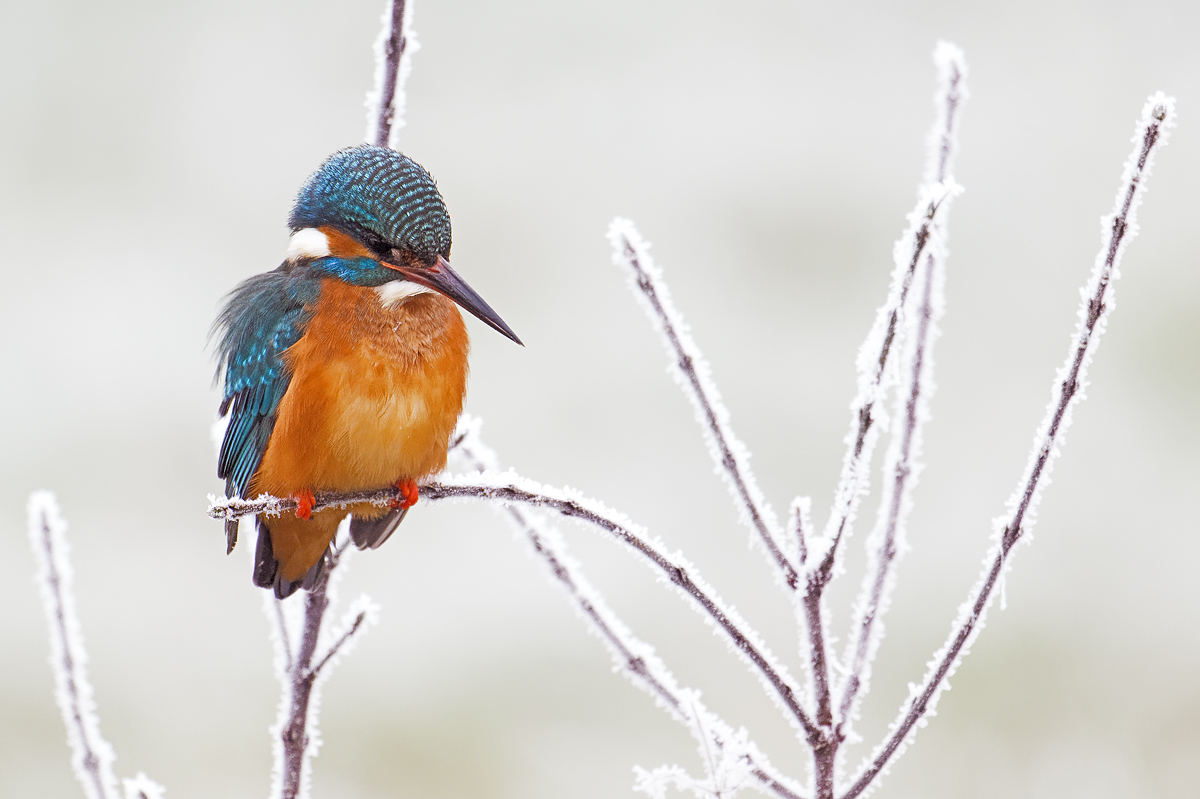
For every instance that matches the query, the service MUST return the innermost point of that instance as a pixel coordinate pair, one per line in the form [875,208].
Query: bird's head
[371,216]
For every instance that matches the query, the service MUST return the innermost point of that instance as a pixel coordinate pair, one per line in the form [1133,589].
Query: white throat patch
[307,243]
[397,291]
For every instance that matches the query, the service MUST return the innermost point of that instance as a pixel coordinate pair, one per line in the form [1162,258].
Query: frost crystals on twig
[691,371]
[731,759]
[393,64]
[1158,117]
[91,756]
[302,671]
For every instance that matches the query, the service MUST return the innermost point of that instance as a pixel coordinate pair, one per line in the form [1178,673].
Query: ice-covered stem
[812,607]
[511,489]
[631,656]
[887,541]
[692,372]
[1158,117]
[91,756]
[393,64]
[301,673]
[876,372]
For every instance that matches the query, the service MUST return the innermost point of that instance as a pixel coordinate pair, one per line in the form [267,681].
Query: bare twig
[1158,117]
[691,370]
[634,658]
[91,756]
[393,63]
[901,470]
[875,355]
[510,489]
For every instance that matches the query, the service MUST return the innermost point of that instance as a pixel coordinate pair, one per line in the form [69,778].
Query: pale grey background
[148,156]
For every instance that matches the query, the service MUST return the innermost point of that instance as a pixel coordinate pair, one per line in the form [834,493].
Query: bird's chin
[397,291]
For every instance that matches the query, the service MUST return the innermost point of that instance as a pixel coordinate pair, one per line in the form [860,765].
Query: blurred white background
[148,157]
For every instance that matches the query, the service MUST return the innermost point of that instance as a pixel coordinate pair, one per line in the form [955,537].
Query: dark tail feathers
[371,533]
[266,568]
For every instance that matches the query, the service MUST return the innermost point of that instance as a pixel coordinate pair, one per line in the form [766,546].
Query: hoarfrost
[387,101]
[691,371]
[91,756]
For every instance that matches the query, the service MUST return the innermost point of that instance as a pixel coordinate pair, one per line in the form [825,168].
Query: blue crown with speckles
[380,196]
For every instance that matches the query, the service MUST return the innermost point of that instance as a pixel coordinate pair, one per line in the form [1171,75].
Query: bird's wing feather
[262,318]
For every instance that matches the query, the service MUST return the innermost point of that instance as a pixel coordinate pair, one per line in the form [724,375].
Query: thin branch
[902,469]
[510,489]
[1158,117]
[692,372]
[875,356]
[91,756]
[393,64]
[636,659]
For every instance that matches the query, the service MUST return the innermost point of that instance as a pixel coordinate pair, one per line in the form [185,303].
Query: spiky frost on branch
[91,756]
[388,100]
[732,761]
[693,374]
[1119,227]
[920,258]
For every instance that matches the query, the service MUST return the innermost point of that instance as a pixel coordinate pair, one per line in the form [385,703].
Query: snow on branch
[691,371]
[1158,117]
[731,759]
[91,756]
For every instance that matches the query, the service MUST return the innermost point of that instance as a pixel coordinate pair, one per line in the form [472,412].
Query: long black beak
[444,280]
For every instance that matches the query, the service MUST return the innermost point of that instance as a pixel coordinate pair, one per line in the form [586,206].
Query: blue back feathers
[264,316]
[381,197]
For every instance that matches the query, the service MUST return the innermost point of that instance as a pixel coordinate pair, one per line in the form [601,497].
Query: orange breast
[375,394]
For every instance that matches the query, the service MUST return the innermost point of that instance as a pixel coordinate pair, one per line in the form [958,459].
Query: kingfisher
[345,368]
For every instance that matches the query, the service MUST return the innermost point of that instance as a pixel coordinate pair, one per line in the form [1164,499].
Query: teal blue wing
[262,318]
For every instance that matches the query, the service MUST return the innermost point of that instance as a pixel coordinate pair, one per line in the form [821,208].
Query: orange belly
[375,394]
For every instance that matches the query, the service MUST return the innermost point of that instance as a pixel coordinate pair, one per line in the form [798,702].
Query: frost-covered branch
[736,755]
[511,489]
[91,756]
[393,63]
[302,671]
[876,366]
[1158,117]
[887,541]
[692,372]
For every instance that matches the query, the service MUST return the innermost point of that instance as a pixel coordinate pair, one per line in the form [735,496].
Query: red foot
[304,507]
[408,488]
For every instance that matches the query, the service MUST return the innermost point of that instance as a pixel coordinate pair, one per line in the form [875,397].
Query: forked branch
[1158,117]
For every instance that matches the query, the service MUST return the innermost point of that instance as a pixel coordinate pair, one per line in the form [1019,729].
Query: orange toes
[408,488]
[304,504]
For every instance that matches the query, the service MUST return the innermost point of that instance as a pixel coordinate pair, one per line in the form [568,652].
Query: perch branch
[1158,117]
[509,490]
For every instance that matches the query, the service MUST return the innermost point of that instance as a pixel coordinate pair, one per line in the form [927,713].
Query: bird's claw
[408,489]
[304,504]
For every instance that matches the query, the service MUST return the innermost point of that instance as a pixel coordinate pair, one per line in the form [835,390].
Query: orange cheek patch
[342,245]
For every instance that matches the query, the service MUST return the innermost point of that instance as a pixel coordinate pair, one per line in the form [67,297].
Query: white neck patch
[307,243]
[397,291]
